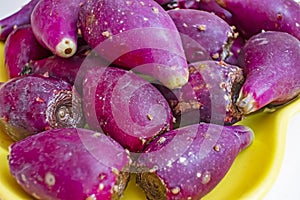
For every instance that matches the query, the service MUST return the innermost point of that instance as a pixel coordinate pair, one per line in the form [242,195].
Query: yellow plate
[251,176]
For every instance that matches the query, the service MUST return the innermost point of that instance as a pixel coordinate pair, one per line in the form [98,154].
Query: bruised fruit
[34,103]
[70,163]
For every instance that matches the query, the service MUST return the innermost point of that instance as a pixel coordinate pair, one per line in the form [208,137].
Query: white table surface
[286,186]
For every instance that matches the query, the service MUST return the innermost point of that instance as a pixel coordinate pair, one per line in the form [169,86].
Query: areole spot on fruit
[50,179]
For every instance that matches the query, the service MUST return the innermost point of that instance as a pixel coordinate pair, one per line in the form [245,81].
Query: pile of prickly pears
[100,90]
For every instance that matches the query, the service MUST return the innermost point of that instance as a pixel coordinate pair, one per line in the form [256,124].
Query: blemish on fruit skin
[161,140]
[198,174]
[101,187]
[115,171]
[175,190]
[201,27]
[23,177]
[155,10]
[217,148]
[206,178]
[91,197]
[36,196]
[149,117]
[106,34]
[96,134]
[49,179]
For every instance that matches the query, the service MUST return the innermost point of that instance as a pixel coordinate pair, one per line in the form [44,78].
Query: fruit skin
[253,16]
[214,7]
[71,70]
[188,162]
[70,163]
[271,65]
[209,96]
[203,27]
[55,25]
[121,38]
[34,103]
[179,4]
[20,48]
[124,106]
[21,17]
[55,66]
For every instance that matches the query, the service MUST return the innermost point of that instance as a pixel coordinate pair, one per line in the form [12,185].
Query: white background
[286,186]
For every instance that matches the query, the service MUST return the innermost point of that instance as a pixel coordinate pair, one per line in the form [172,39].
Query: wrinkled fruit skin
[187,163]
[271,64]
[125,106]
[34,103]
[70,163]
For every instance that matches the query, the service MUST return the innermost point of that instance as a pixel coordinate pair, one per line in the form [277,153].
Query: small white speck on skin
[36,196]
[115,171]
[145,19]
[155,10]
[143,140]
[202,27]
[297,24]
[182,159]
[161,140]
[153,169]
[170,162]
[149,117]
[185,25]
[116,188]
[142,3]
[91,197]
[217,148]
[199,174]
[97,134]
[106,34]
[175,190]
[49,179]
[23,177]
[128,2]
[216,56]
[101,187]
[205,178]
